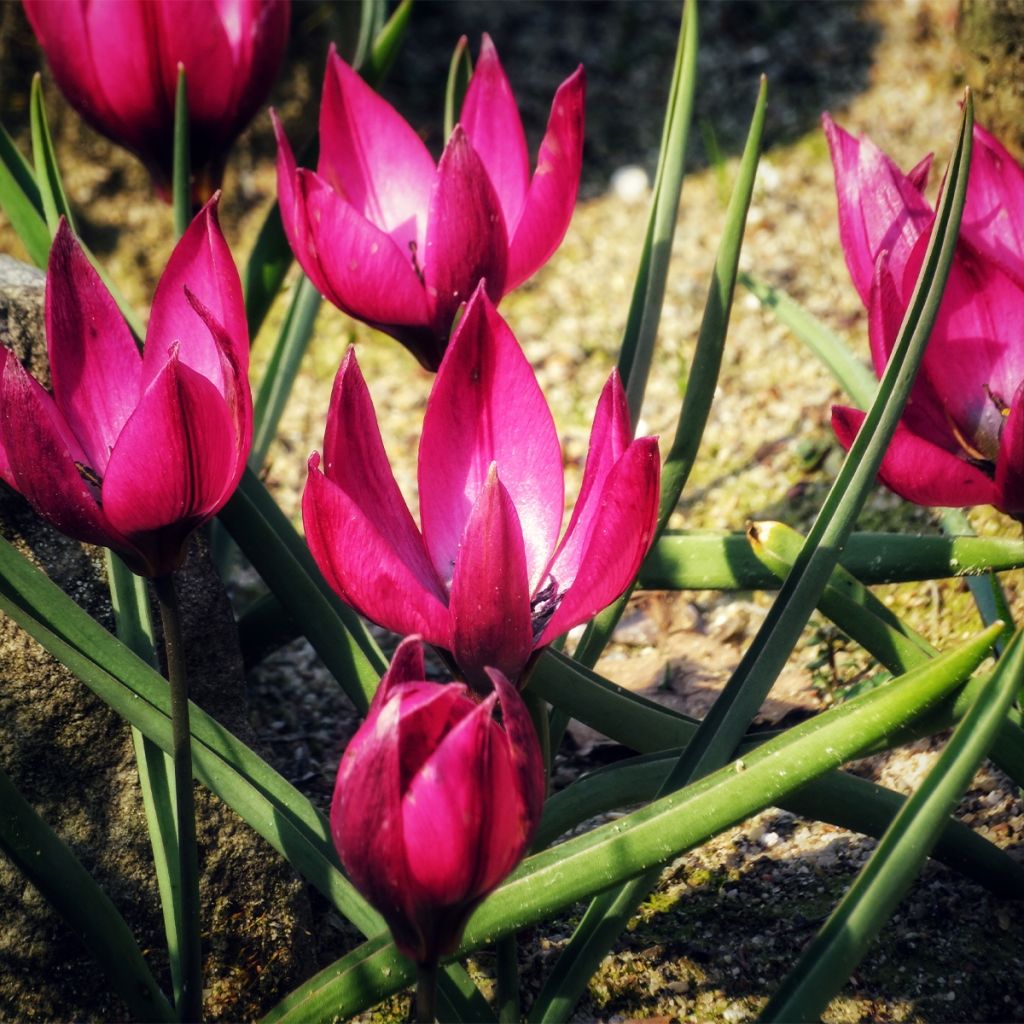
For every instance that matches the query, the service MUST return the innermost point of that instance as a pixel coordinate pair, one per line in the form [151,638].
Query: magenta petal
[486,407]
[466,234]
[201,263]
[366,820]
[1010,461]
[372,157]
[172,465]
[447,811]
[918,174]
[610,436]
[617,542]
[364,566]
[993,220]
[492,123]
[879,207]
[355,461]
[42,454]
[918,470]
[367,275]
[524,754]
[291,201]
[552,194]
[94,363]
[490,594]
[406,667]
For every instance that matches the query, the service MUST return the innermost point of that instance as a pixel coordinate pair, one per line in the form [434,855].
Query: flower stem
[426,992]
[191,1007]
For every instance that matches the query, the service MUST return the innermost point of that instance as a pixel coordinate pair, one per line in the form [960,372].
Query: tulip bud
[435,801]
[116,61]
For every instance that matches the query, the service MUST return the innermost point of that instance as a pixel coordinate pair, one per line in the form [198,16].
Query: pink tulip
[961,438]
[435,802]
[134,451]
[116,61]
[487,579]
[400,242]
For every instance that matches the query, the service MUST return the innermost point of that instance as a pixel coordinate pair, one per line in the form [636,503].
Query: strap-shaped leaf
[20,200]
[835,951]
[57,873]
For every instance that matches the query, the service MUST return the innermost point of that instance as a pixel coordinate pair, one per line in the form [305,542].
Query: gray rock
[73,759]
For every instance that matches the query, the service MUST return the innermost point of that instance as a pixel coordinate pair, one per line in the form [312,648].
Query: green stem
[191,1007]
[507,979]
[426,992]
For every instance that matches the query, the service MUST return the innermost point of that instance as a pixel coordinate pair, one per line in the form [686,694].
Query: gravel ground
[727,920]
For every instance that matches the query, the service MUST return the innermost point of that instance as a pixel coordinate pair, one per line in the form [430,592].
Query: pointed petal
[365,566]
[486,407]
[609,439]
[879,207]
[406,667]
[993,220]
[490,601]
[1010,461]
[94,363]
[367,275]
[366,820]
[466,234]
[974,362]
[372,157]
[492,123]
[171,467]
[42,453]
[5,463]
[201,263]
[918,470]
[918,174]
[618,540]
[524,753]
[552,194]
[291,200]
[450,811]
[356,462]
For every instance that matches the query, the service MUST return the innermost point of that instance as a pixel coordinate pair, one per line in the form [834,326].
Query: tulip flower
[117,61]
[435,802]
[487,580]
[133,451]
[395,240]
[961,437]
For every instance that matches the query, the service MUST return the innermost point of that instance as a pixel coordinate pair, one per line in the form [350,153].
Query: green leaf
[715,560]
[55,871]
[386,45]
[745,691]
[283,368]
[837,798]
[51,188]
[282,559]
[371,17]
[20,200]
[460,71]
[644,315]
[610,854]
[181,174]
[835,951]
[853,375]
[707,360]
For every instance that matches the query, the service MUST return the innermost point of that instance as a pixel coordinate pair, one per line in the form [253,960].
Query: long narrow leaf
[835,951]
[727,720]
[55,871]
[653,835]
[707,361]
[181,164]
[837,798]
[460,71]
[712,560]
[282,369]
[644,315]
[20,200]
